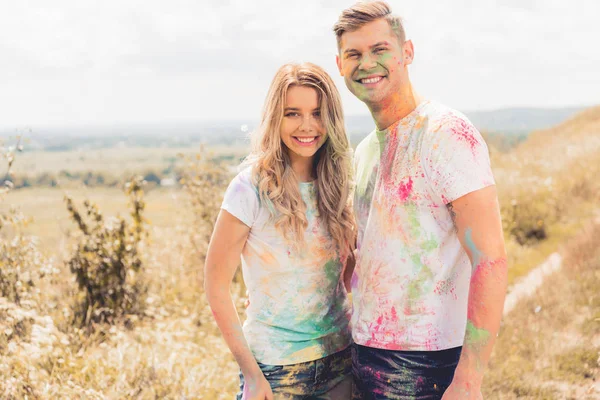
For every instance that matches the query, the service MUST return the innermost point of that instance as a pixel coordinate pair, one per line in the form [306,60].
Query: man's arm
[478,224]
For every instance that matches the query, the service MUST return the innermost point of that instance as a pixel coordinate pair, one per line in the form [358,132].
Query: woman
[287,215]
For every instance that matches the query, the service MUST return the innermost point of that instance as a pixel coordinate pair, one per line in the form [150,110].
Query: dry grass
[549,346]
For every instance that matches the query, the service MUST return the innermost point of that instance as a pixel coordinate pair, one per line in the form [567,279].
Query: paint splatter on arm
[479,228]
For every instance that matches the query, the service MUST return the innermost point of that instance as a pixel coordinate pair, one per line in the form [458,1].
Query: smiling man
[430,276]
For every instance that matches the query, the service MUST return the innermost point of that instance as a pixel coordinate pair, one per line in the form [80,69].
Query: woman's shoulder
[243,183]
[244,175]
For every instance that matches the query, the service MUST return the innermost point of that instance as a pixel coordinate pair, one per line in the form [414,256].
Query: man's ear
[338,62]
[408,52]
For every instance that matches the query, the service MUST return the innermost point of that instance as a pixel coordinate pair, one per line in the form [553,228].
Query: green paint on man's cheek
[358,89]
[384,58]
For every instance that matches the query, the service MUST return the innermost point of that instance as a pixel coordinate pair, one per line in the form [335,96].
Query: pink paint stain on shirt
[465,133]
[405,189]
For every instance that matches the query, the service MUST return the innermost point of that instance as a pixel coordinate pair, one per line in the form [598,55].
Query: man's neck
[394,109]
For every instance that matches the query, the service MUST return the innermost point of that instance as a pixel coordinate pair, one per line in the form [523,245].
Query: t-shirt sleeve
[241,199]
[457,160]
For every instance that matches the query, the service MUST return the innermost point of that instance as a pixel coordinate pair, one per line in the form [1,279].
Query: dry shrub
[107,263]
[22,265]
[26,337]
[205,180]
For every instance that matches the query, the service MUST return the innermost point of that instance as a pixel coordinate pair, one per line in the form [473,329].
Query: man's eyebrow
[384,43]
[350,51]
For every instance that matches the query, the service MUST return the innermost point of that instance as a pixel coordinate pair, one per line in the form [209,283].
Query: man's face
[373,62]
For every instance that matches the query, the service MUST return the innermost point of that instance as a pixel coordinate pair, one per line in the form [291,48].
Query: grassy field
[549,346]
[114,161]
[547,349]
[51,223]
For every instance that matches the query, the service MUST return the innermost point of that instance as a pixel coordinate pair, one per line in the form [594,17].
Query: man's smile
[370,80]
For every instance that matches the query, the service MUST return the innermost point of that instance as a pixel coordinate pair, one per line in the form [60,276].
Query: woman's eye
[317,114]
[291,114]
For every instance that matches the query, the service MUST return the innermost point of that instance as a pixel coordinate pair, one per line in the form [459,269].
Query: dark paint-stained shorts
[326,378]
[399,375]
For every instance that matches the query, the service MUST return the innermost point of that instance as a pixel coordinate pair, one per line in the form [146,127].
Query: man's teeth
[371,80]
[305,140]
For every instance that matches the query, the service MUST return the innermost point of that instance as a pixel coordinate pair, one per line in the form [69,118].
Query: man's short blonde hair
[362,13]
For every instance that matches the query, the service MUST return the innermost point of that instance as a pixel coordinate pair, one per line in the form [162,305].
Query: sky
[82,62]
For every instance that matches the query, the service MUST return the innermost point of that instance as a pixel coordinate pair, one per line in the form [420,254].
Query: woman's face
[302,129]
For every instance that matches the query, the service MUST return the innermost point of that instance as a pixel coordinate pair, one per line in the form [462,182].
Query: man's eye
[352,55]
[379,50]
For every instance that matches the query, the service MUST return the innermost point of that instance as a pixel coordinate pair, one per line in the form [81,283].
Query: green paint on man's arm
[476,337]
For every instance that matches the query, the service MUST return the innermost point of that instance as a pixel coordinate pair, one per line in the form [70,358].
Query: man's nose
[367,63]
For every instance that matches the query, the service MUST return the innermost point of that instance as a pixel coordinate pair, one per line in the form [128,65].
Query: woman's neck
[303,168]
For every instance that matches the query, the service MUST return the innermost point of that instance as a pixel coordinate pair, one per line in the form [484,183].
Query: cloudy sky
[72,62]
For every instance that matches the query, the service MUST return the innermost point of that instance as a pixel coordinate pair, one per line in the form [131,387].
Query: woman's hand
[256,387]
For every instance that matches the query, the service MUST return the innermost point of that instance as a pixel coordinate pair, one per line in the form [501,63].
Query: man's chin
[371,99]
[367,96]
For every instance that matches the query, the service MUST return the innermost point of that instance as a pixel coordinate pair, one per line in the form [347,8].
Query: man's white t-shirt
[411,282]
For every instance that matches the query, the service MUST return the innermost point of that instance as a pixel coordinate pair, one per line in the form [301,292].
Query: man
[430,276]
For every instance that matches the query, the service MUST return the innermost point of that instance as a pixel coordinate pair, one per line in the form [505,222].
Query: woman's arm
[226,245]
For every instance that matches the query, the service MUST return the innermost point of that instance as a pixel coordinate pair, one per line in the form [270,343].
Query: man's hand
[256,387]
[460,390]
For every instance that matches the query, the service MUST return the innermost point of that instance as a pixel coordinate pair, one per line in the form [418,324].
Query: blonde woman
[287,215]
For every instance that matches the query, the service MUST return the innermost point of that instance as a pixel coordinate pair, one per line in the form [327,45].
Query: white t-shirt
[299,310]
[411,282]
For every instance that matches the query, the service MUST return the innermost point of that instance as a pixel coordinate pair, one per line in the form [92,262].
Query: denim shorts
[402,375]
[326,378]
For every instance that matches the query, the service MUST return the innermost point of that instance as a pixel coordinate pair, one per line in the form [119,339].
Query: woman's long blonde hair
[277,184]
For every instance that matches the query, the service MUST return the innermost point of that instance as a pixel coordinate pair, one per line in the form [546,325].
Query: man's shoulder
[441,116]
